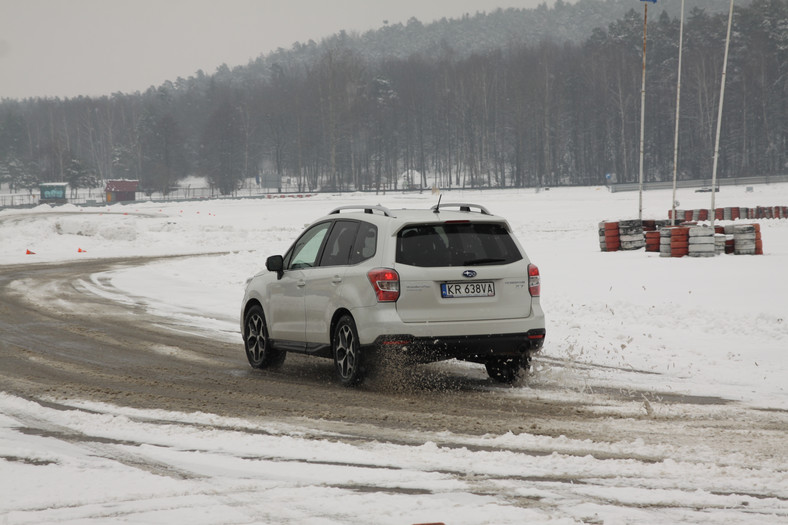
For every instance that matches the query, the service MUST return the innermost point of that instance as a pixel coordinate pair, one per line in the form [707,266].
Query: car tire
[258,348]
[504,369]
[348,359]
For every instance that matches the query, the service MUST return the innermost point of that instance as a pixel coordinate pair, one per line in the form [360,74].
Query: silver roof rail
[463,206]
[366,208]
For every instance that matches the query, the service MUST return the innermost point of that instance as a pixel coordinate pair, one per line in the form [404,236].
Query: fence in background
[699,183]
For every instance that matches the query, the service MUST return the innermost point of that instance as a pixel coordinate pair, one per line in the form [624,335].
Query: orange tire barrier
[673,241]
[731,213]
[652,241]
[609,239]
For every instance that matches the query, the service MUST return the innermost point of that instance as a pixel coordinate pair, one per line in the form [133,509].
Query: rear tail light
[534,281]
[385,281]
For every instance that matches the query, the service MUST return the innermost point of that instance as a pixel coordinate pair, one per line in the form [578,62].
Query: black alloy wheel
[259,352]
[348,359]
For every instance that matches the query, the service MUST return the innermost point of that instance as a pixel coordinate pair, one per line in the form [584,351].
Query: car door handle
[301,283]
[337,279]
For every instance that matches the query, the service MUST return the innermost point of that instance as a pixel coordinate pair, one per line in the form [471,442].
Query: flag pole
[642,110]
[676,134]
[719,118]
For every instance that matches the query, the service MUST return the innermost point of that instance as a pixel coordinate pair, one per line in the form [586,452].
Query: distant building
[53,192]
[121,190]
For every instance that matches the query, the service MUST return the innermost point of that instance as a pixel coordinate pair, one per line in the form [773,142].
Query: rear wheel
[348,359]
[504,369]
[259,351]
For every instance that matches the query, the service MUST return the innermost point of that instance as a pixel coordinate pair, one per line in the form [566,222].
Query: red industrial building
[121,190]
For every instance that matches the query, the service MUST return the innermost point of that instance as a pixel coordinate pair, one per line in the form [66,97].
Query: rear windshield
[456,244]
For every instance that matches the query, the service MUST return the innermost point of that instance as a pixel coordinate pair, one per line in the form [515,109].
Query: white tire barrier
[747,239]
[664,241]
[701,242]
[631,234]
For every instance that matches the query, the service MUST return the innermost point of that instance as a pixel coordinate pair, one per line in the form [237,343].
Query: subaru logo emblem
[469,274]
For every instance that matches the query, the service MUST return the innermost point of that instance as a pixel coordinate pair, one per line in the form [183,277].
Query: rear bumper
[476,348]
[383,320]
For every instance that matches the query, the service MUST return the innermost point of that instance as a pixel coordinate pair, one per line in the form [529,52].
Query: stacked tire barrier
[719,243]
[651,230]
[674,241]
[664,241]
[652,241]
[701,242]
[732,213]
[726,232]
[688,215]
[678,241]
[746,239]
[609,239]
[631,234]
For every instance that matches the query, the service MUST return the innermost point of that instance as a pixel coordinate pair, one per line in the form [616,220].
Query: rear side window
[456,244]
[340,243]
[366,243]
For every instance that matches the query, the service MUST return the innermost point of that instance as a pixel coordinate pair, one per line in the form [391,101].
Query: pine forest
[513,98]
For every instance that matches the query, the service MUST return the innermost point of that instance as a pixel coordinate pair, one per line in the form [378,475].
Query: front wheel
[504,370]
[258,348]
[348,359]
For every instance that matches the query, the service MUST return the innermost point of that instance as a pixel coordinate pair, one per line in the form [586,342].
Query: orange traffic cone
[30,253]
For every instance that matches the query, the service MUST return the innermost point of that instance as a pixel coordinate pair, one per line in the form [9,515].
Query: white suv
[365,282]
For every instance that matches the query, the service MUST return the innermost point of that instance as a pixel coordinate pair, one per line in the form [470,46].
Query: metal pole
[642,114]
[676,135]
[719,118]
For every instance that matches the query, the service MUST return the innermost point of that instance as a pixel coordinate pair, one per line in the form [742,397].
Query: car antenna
[438,206]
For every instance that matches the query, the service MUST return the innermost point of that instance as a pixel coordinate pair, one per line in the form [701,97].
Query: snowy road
[92,378]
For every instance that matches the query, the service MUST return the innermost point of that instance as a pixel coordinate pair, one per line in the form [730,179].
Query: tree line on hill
[519,114]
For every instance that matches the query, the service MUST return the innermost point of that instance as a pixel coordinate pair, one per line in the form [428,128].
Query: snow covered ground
[707,327]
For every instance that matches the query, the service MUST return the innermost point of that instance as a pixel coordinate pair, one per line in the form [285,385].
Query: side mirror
[275,263]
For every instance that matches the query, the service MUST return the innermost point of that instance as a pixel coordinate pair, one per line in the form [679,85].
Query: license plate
[475,289]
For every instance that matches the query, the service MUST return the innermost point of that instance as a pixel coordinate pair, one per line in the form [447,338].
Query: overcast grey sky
[66,48]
